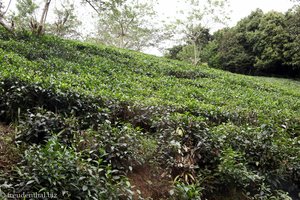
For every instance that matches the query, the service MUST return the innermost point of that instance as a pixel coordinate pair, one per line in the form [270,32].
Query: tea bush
[115,110]
[61,171]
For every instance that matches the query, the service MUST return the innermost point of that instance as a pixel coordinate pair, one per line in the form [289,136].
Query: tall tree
[127,24]
[272,36]
[197,18]
[173,52]
[41,25]
[260,44]
[3,20]
[66,21]
[292,51]
[26,16]
[99,5]
[196,38]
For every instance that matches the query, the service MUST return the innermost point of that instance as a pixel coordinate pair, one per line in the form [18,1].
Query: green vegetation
[260,44]
[86,117]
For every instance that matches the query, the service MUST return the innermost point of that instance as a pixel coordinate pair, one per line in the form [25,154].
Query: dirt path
[150,182]
[4,128]
[8,152]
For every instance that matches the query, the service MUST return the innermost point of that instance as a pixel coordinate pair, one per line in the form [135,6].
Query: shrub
[60,170]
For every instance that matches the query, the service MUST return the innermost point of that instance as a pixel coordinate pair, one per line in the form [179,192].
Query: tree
[247,28]
[228,53]
[66,21]
[271,38]
[191,51]
[196,38]
[39,27]
[25,16]
[127,24]
[292,51]
[198,20]
[245,36]
[3,21]
[260,44]
[172,53]
[99,5]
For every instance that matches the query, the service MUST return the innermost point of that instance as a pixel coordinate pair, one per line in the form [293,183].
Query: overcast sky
[169,8]
[240,8]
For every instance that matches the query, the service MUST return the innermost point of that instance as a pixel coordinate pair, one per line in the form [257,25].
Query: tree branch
[3,13]
[44,17]
[6,26]
[91,4]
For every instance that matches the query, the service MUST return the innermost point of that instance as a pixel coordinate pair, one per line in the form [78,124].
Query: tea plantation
[96,122]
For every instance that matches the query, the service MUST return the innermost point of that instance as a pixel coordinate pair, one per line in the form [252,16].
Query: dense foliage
[87,116]
[260,44]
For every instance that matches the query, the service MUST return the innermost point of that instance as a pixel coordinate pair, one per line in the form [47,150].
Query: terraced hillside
[95,122]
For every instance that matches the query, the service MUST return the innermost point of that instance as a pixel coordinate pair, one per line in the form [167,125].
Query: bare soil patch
[8,151]
[152,182]
[4,129]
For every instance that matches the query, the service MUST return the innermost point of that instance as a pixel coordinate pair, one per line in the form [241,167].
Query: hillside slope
[203,131]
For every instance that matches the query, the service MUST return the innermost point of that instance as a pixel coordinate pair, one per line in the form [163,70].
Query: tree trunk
[3,22]
[196,56]
[122,41]
[122,35]
[41,26]
[6,26]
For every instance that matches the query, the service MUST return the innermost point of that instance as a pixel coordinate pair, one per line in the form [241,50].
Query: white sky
[242,8]
[239,10]
[169,8]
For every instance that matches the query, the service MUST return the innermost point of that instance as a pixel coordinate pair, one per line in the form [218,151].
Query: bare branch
[9,27]
[6,8]
[6,25]
[92,5]
[44,17]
